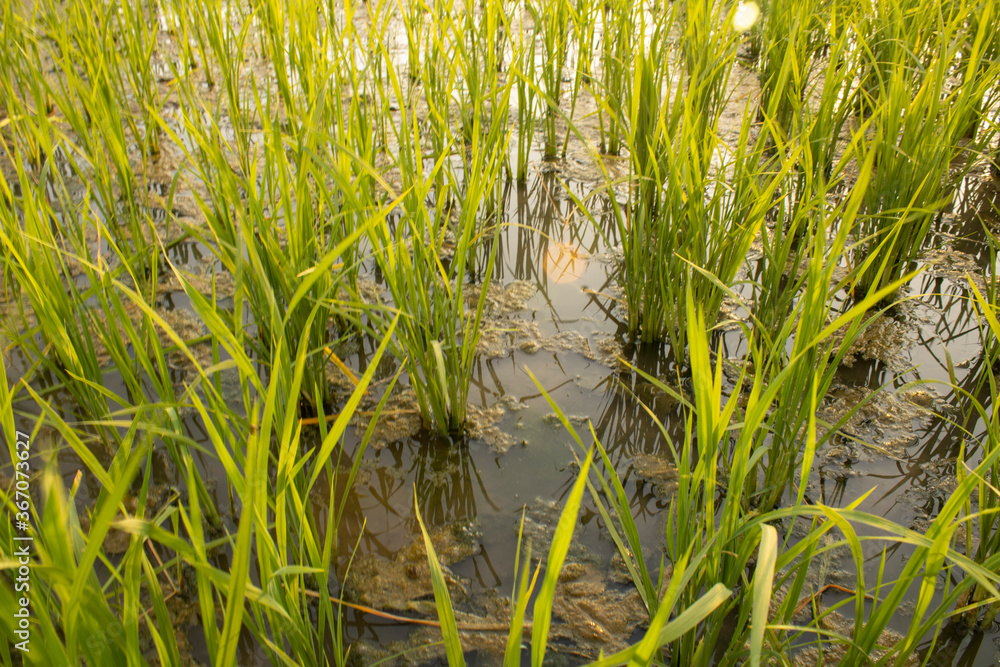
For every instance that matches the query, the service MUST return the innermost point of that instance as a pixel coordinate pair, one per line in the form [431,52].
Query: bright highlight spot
[564,263]
[746,15]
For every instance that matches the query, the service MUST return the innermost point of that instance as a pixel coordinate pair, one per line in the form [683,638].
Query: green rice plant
[708,44]
[617,42]
[292,550]
[805,197]
[189,14]
[104,54]
[76,310]
[288,553]
[522,72]
[582,21]
[91,141]
[789,44]
[297,41]
[984,519]
[73,619]
[412,16]
[298,219]
[174,20]
[694,202]
[552,19]
[710,516]
[439,78]
[887,34]
[223,40]
[825,121]
[351,125]
[137,34]
[68,343]
[438,337]
[696,207]
[978,69]
[378,63]
[477,39]
[816,354]
[26,103]
[916,141]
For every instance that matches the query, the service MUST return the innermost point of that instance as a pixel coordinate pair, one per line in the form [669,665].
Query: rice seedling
[438,337]
[826,121]
[725,529]
[709,51]
[786,58]
[916,140]
[522,72]
[189,22]
[26,101]
[697,205]
[986,478]
[981,51]
[582,44]
[552,19]
[136,28]
[616,53]
[478,43]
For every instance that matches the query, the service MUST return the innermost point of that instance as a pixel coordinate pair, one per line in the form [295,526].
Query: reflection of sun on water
[564,263]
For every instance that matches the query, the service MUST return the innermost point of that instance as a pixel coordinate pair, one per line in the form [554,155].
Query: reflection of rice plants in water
[273,274]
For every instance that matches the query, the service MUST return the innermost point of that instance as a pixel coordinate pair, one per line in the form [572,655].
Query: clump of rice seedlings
[617,41]
[552,21]
[983,520]
[696,204]
[582,45]
[83,322]
[104,56]
[227,42]
[74,620]
[92,140]
[426,262]
[294,229]
[695,208]
[808,369]
[190,14]
[789,44]
[823,122]
[25,95]
[708,46]
[885,31]
[522,72]
[478,41]
[438,76]
[288,551]
[412,16]
[32,257]
[916,140]
[982,50]
[284,604]
[717,535]
[136,28]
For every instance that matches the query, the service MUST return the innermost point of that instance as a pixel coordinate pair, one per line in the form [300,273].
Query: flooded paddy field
[499,333]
